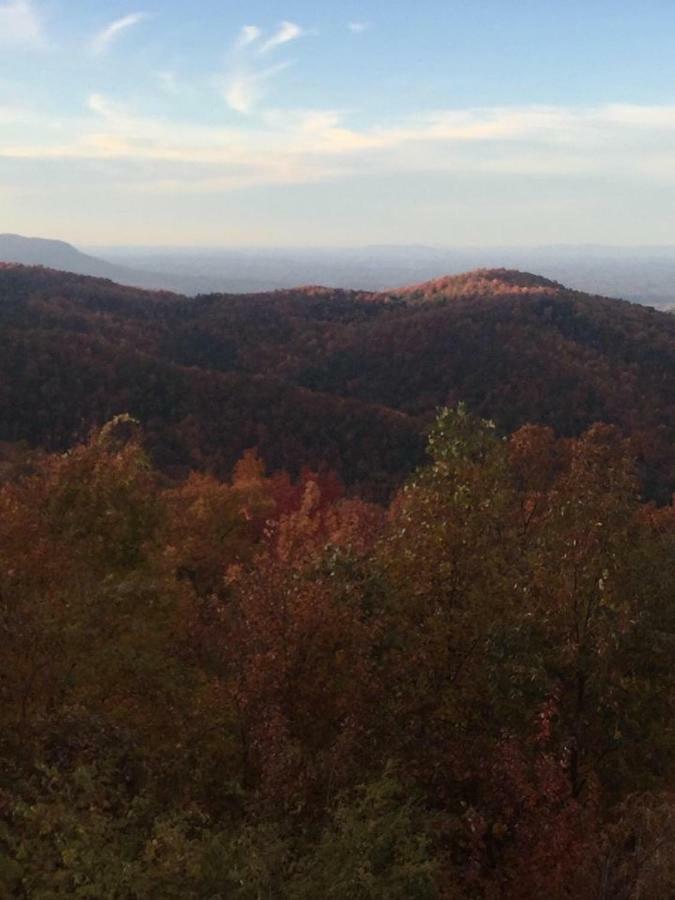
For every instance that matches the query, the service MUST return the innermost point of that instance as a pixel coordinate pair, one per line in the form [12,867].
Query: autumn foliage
[329,380]
[265,686]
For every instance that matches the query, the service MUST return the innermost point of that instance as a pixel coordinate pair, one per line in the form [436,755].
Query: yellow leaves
[297,532]
[249,471]
[213,526]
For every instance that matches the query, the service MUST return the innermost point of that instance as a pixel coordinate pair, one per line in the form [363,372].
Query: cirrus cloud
[287,32]
[247,80]
[244,88]
[103,40]
[249,34]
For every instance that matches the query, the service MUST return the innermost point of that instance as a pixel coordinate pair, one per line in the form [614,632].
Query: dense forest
[335,594]
[333,380]
[265,688]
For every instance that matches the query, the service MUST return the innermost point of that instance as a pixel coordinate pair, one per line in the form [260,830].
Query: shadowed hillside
[337,379]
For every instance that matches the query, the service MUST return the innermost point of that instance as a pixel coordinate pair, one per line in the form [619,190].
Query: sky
[297,123]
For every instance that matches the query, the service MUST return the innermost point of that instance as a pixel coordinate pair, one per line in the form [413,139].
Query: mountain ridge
[318,377]
[64,257]
[483,281]
[642,275]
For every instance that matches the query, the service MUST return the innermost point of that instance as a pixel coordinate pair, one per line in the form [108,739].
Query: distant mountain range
[642,274]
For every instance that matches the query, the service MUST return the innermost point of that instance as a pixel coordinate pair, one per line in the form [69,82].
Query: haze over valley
[644,275]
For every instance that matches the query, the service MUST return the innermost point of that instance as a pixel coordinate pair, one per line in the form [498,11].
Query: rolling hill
[344,380]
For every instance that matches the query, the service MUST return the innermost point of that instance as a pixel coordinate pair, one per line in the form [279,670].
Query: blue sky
[298,123]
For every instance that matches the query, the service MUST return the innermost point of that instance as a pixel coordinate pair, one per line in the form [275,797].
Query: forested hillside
[259,688]
[259,642]
[334,380]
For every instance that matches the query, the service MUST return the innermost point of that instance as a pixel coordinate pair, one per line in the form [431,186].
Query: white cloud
[114,115]
[644,116]
[247,82]
[244,89]
[20,24]
[249,34]
[102,41]
[359,27]
[303,146]
[287,32]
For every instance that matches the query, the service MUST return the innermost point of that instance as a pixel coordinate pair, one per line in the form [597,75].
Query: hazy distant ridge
[642,274]
[54,254]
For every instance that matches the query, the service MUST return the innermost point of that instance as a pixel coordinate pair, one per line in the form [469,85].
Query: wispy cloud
[103,40]
[305,146]
[244,89]
[287,32]
[248,81]
[359,27]
[20,24]
[101,106]
[249,34]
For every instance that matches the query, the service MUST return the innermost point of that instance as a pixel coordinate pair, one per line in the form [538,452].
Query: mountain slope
[340,379]
[64,257]
[52,254]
